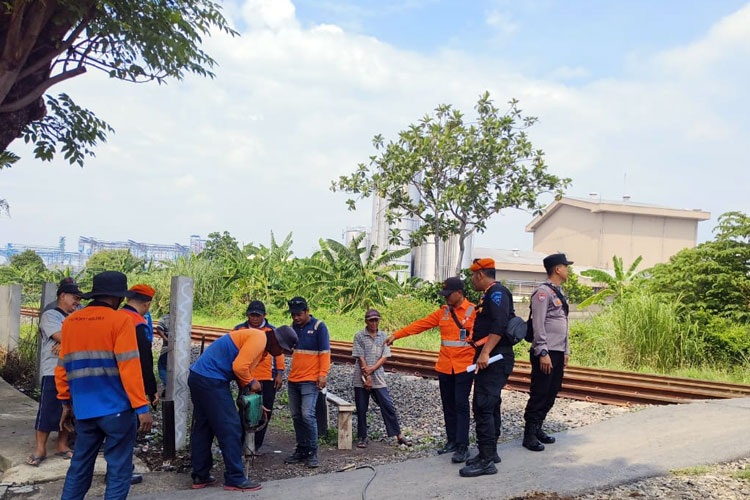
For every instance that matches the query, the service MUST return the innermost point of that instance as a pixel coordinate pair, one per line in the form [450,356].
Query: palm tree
[352,277]
[617,285]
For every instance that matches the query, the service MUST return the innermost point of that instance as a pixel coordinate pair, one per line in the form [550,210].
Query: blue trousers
[161,364]
[215,414]
[454,393]
[302,399]
[383,399]
[119,430]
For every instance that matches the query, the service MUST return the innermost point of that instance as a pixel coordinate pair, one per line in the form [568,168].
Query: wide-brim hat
[110,283]
[286,337]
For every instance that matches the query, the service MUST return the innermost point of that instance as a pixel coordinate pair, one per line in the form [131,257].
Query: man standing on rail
[549,350]
[270,371]
[456,321]
[494,310]
[307,377]
[233,356]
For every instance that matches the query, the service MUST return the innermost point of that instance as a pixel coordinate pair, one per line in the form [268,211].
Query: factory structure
[589,230]
[56,257]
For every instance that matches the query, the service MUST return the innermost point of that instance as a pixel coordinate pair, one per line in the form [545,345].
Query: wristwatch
[543,353]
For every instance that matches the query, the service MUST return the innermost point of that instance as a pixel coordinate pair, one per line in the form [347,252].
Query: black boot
[461,454]
[312,458]
[299,456]
[530,441]
[483,465]
[543,436]
[473,460]
[449,447]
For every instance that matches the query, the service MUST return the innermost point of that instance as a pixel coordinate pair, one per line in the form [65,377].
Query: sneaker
[480,468]
[449,447]
[136,479]
[461,454]
[475,459]
[299,456]
[199,483]
[248,485]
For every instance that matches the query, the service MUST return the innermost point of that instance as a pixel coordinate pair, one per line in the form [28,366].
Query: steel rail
[582,383]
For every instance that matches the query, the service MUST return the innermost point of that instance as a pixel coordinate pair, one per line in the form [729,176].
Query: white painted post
[178,361]
[10,317]
[49,295]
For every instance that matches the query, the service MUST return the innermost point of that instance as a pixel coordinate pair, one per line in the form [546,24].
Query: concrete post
[178,361]
[10,317]
[49,295]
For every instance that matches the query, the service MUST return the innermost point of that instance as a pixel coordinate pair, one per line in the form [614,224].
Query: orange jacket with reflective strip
[264,370]
[452,359]
[99,367]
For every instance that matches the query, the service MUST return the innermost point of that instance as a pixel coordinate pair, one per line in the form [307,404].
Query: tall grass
[639,331]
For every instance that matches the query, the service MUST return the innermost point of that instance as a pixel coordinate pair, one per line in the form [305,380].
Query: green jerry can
[251,409]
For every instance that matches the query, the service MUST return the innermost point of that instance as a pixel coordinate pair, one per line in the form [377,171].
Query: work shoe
[480,468]
[136,479]
[299,456]
[449,447]
[199,483]
[247,485]
[461,454]
[530,441]
[475,459]
[543,436]
[312,459]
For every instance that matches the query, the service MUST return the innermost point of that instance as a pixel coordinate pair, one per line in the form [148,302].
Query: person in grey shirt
[50,408]
[549,349]
[370,350]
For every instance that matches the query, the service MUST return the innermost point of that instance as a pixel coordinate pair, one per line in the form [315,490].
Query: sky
[642,98]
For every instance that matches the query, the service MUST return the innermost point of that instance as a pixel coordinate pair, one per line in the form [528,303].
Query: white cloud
[501,21]
[294,107]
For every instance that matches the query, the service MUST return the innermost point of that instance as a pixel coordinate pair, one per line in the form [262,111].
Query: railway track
[581,383]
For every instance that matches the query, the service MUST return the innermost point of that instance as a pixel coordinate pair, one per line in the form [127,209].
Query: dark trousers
[383,399]
[454,393]
[488,385]
[215,414]
[117,432]
[269,396]
[544,387]
[303,398]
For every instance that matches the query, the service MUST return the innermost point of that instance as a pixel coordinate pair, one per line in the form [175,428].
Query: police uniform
[549,313]
[494,310]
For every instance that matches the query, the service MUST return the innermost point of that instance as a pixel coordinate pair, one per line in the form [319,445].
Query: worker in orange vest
[456,321]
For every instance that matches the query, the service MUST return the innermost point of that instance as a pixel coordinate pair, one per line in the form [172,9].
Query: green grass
[742,474]
[692,471]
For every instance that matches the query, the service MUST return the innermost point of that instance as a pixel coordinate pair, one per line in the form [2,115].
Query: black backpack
[529,325]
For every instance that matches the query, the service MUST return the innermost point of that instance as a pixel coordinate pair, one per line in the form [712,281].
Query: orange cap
[482,264]
[143,290]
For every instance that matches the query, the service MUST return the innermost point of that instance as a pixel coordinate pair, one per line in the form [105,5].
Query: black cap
[451,285]
[109,283]
[256,307]
[555,259]
[69,285]
[297,305]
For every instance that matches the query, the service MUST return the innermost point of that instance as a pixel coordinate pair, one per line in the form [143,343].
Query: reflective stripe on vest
[453,343]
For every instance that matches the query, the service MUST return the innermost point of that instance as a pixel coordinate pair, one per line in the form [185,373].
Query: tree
[575,291]
[462,173]
[352,277]
[30,259]
[617,285]
[113,260]
[45,42]
[712,279]
[221,246]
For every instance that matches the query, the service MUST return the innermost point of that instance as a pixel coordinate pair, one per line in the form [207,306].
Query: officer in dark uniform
[494,310]
[549,350]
